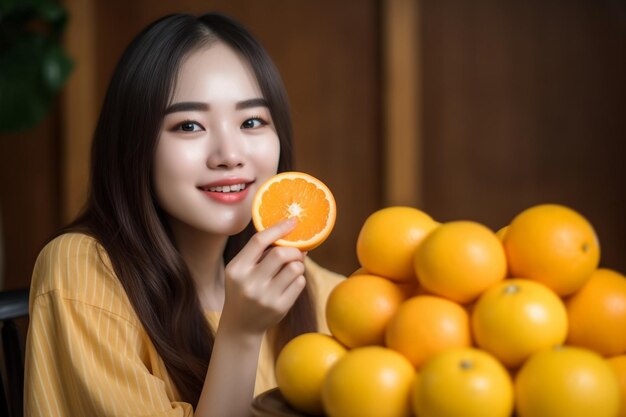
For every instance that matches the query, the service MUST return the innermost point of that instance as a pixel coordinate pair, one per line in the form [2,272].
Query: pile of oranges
[454,319]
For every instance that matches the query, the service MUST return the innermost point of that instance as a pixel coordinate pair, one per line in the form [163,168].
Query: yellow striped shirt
[87,353]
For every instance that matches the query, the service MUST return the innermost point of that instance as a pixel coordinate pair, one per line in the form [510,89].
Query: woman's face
[217,144]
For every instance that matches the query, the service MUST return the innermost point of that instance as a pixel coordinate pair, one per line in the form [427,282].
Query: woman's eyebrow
[187,106]
[253,102]
[200,106]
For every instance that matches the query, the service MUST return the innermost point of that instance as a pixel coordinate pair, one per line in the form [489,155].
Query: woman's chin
[239,229]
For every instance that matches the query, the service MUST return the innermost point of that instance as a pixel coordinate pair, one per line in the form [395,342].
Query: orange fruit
[409,288]
[425,325]
[360,271]
[299,195]
[554,245]
[463,382]
[618,363]
[370,381]
[502,232]
[388,239]
[517,318]
[358,309]
[566,381]
[301,367]
[597,313]
[459,260]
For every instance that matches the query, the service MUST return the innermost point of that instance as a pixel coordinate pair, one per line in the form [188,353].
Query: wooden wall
[471,110]
[524,103]
[29,196]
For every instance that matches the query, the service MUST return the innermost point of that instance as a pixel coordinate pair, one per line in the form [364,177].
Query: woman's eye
[253,123]
[189,127]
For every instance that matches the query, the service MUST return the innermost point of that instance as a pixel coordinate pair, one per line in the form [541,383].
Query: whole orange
[425,325]
[502,232]
[370,381]
[388,239]
[618,363]
[517,318]
[566,381]
[301,368]
[459,260]
[597,313]
[359,271]
[463,382]
[409,288]
[359,308]
[554,245]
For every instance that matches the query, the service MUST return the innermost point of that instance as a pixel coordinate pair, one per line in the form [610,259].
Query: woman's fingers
[282,290]
[291,293]
[263,281]
[255,248]
[281,281]
[276,259]
[259,258]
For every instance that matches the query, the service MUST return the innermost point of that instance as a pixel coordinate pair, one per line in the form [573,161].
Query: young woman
[160,300]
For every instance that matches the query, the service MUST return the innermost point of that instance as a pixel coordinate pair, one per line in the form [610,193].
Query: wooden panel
[328,54]
[29,202]
[79,106]
[402,98]
[523,104]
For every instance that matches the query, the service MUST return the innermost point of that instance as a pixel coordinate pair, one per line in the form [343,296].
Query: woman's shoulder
[68,244]
[71,252]
[74,266]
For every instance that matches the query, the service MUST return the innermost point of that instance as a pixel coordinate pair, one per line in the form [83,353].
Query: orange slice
[296,194]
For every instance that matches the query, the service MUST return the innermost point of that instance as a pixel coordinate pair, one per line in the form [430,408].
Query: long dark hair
[122,212]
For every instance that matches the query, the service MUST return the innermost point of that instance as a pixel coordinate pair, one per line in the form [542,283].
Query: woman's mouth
[226,193]
[225,188]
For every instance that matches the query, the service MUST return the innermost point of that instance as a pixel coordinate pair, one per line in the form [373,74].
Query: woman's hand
[262,282]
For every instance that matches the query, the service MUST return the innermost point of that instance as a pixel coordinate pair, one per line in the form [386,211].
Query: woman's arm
[261,285]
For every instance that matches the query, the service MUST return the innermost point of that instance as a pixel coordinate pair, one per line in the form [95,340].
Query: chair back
[13,305]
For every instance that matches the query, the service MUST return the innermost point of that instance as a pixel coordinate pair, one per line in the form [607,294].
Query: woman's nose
[226,149]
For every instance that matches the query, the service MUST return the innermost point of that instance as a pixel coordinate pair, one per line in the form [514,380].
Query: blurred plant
[33,64]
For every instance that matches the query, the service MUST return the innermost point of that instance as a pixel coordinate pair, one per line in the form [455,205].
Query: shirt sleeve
[85,360]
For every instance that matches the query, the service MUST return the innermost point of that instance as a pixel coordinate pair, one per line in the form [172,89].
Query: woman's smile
[229,191]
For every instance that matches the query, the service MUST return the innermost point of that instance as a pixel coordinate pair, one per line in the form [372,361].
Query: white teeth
[228,188]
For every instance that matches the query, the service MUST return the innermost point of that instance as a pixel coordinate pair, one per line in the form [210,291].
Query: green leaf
[52,13]
[33,65]
[56,68]
[24,99]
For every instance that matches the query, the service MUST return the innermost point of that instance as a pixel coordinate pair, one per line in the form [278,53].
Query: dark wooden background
[525,103]
[521,103]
